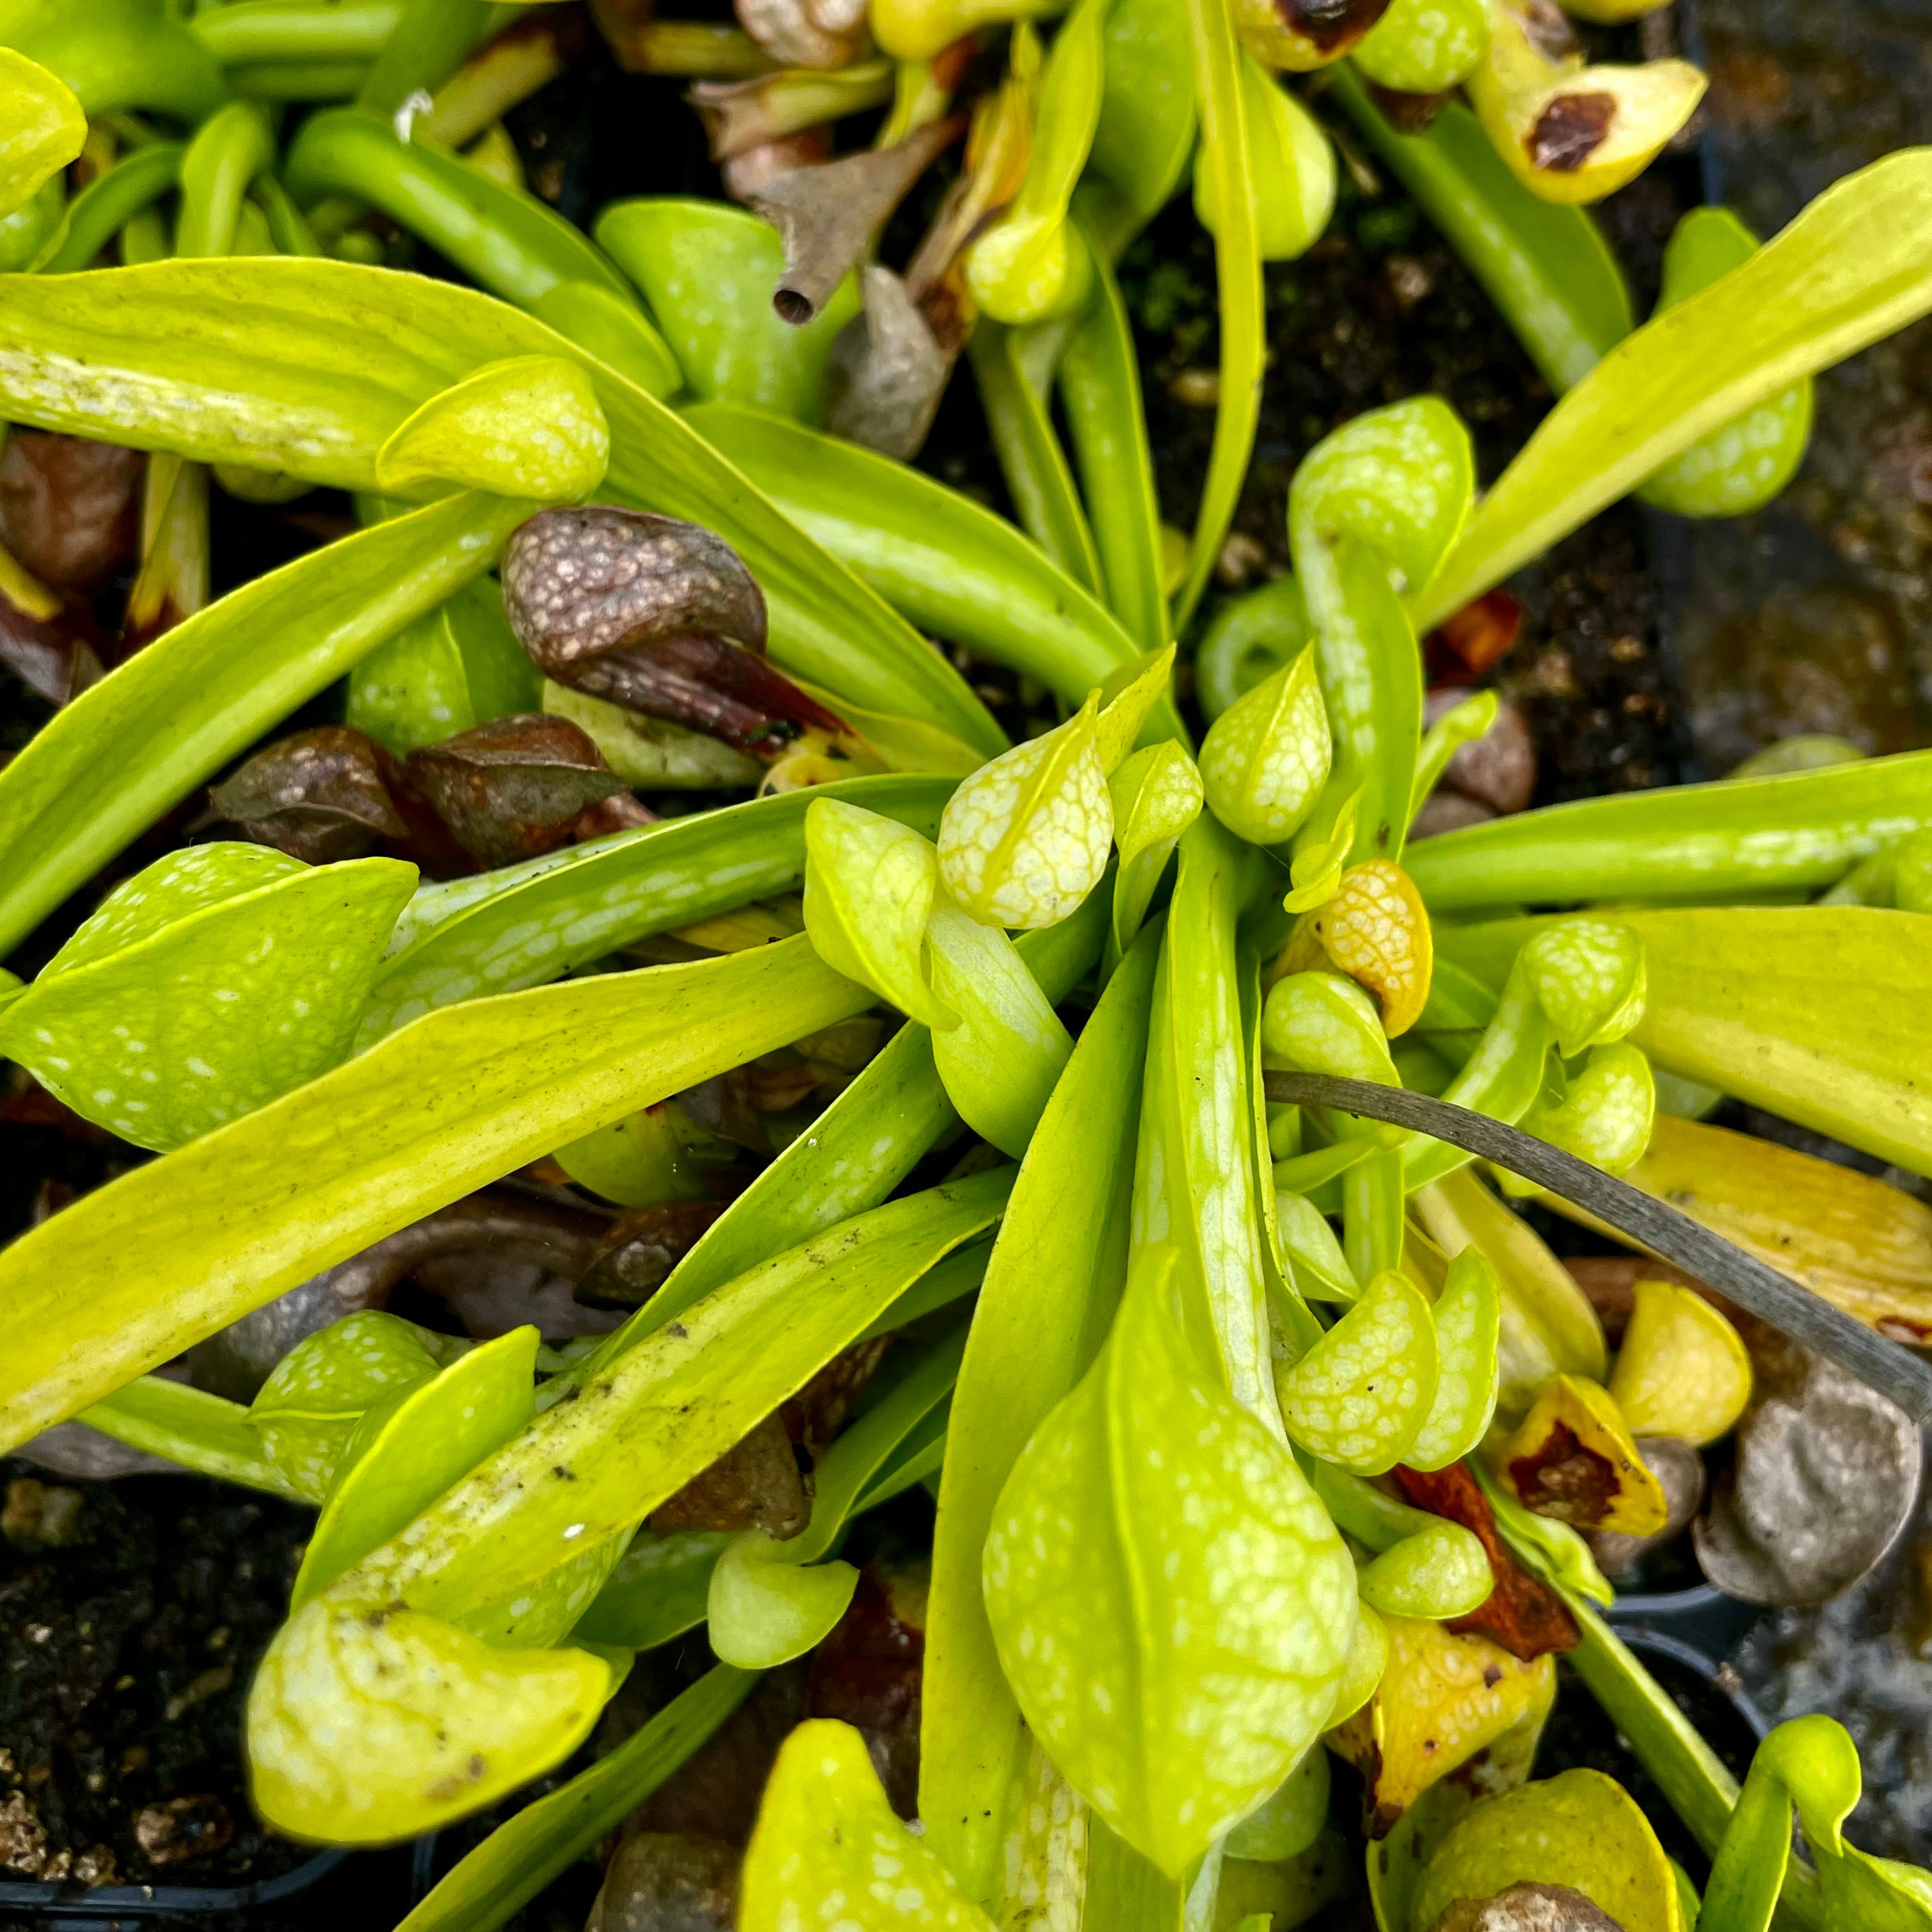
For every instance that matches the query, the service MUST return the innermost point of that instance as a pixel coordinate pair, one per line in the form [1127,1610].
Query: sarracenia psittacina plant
[1161,1375]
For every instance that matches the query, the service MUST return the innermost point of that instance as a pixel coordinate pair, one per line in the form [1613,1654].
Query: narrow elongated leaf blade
[1855,266]
[460,1099]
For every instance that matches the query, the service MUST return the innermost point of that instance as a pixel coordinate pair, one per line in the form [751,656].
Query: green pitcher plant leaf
[197,1430]
[1265,758]
[524,925]
[1024,840]
[658,1589]
[1156,796]
[1468,1316]
[1850,269]
[1062,1234]
[439,1431]
[378,1143]
[1360,1396]
[528,426]
[206,986]
[1171,1605]
[999,1063]
[826,1837]
[868,892]
[491,1884]
[98,774]
[45,127]
[266,364]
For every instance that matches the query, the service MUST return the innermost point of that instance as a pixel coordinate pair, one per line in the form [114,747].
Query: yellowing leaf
[1266,758]
[528,426]
[827,1849]
[1442,1698]
[1375,930]
[1024,839]
[369,1723]
[1683,1369]
[1580,1829]
[1572,1458]
[868,888]
[1172,1605]
[1357,1397]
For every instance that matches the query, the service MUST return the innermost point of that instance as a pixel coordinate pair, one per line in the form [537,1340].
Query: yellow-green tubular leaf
[1049,1293]
[1315,876]
[1358,1397]
[1754,1001]
[41,128]
[307,1411]
[1579,1829]
[457,1099]
[1218,87]
[99,772]
[1425,47]
[1743,465]
[308,366]
[1321,1023]
[1290,1819]
[1362,1671]
[199,1431]
[528,426]
[1290,162]
[1033,265]
[206,986]
[764,1610]
[1265,759]
[1442,1571]
[1462,724]
[827,1842]
[438,1433]
[1249,637]
[1468,1314]
[1546,1327]
[868,889]
[1591,980]
[1855,266]
[999,1064]
[1321,1270]
[1607,1111]
[1156,796]
[1171,1604]
[368,1723]
[1024,839]
[1130,695]
[657,1590]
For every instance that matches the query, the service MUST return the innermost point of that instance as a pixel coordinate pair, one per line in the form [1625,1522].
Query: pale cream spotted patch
[1171,1605]
[1266,757]
[1024,839]
[1376,930]
[829,1854]
[1358,1397]
[1607,1112]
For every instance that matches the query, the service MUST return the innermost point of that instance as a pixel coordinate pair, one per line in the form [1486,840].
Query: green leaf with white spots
[1171,1605]
[999,1063]
[1468,1319]
[1156,796]
[307,1410]
[1130,698]
[1290,1819]
[829,1850]
[1309,1246]
[1590,978]
[41,128]
[1441,1570]
[1359,1397]
[369,1723]
[529,426]
[1024,839]
[207,985]
[439,1432]
[1607,1111]
[869,883]
[1266,758]
[1321,1023]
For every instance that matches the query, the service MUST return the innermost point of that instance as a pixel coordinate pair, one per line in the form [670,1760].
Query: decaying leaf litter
[906,1127]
